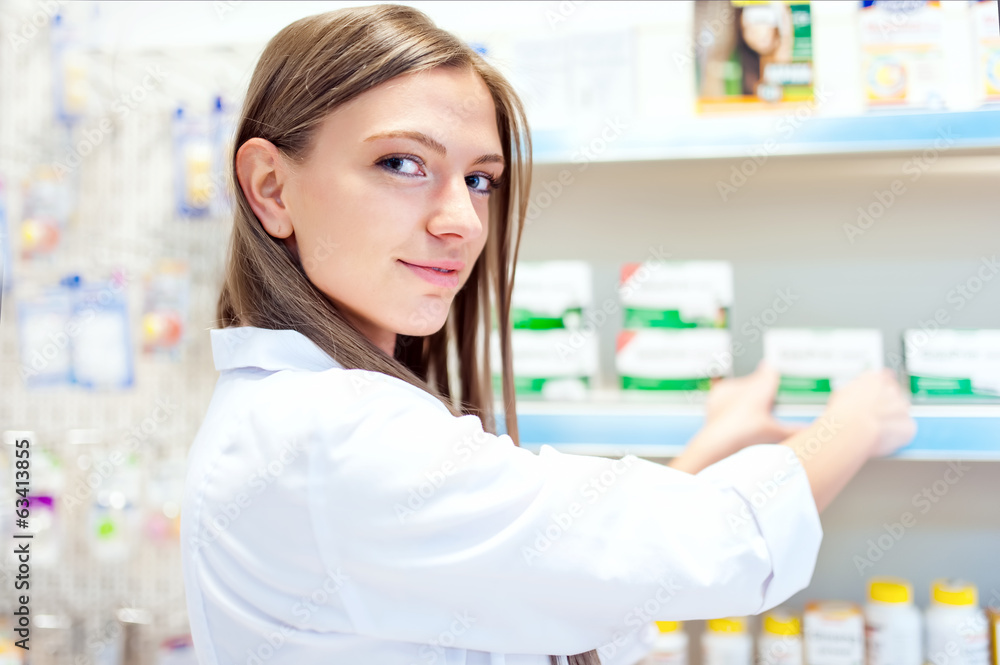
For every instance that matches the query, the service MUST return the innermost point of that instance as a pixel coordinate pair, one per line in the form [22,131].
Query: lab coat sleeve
[450,536]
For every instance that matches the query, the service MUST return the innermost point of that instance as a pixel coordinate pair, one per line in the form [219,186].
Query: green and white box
[551,294]
[555,351]
[959,363]
[672,360]
[676,294]
[816,361]
[556,364]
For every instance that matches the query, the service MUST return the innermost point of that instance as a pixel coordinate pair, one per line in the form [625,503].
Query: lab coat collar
[272,350]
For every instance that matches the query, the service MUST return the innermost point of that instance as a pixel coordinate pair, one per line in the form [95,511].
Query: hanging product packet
[102,345]
[193,187]
[166,294]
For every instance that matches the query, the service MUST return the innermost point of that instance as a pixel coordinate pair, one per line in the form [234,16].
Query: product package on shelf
[815,361]
[676,294]
[670,645]
[834,633]
[902,54]
[652,359]
[953,363]
[752,55]
[893,625]
[957,632]
[727,642]
[675,333]
[986,31]
[780,640]
[554,337]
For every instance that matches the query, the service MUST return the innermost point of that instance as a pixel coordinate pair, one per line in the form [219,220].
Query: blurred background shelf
[795,132]
[615,427]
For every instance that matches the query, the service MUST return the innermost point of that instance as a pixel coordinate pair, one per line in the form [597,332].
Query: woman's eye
[404,165]
[479,183]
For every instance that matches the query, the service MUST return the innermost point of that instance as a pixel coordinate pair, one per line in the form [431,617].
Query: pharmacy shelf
[616,426]
[775,134]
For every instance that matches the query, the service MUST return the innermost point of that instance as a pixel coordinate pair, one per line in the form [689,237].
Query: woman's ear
[261,172]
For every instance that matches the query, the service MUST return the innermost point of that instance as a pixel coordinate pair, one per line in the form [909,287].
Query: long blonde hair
[307,70]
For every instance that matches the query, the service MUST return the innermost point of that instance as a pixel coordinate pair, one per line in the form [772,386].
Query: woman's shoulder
[317,399]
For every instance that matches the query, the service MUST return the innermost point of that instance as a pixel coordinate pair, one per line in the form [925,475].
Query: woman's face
[760,28]
[389,211]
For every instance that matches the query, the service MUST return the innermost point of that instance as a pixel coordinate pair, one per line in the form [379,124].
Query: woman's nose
[455,212]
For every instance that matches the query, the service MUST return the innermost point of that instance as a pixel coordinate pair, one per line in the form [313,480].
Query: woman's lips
[435,277]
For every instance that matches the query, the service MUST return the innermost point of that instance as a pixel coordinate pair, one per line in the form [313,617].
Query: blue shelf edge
[782,134]
[940,436]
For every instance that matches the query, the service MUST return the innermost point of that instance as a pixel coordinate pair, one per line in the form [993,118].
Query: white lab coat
[342,516]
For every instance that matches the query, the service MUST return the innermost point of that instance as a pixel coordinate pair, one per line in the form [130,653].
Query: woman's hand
[869,417]
[737,415]
[877,397]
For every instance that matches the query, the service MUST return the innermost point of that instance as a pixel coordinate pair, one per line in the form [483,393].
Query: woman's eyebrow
[436,146]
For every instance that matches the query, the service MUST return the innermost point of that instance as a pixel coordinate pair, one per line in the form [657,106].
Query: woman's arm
[867,418]
[427,515]
[737,415]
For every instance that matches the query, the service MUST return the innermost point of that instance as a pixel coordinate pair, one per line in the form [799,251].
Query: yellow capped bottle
[727,642]
[671,645]
[956,627]
[780,640]
[893,626]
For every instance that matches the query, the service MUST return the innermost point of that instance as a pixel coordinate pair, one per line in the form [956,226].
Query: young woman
[348,500]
